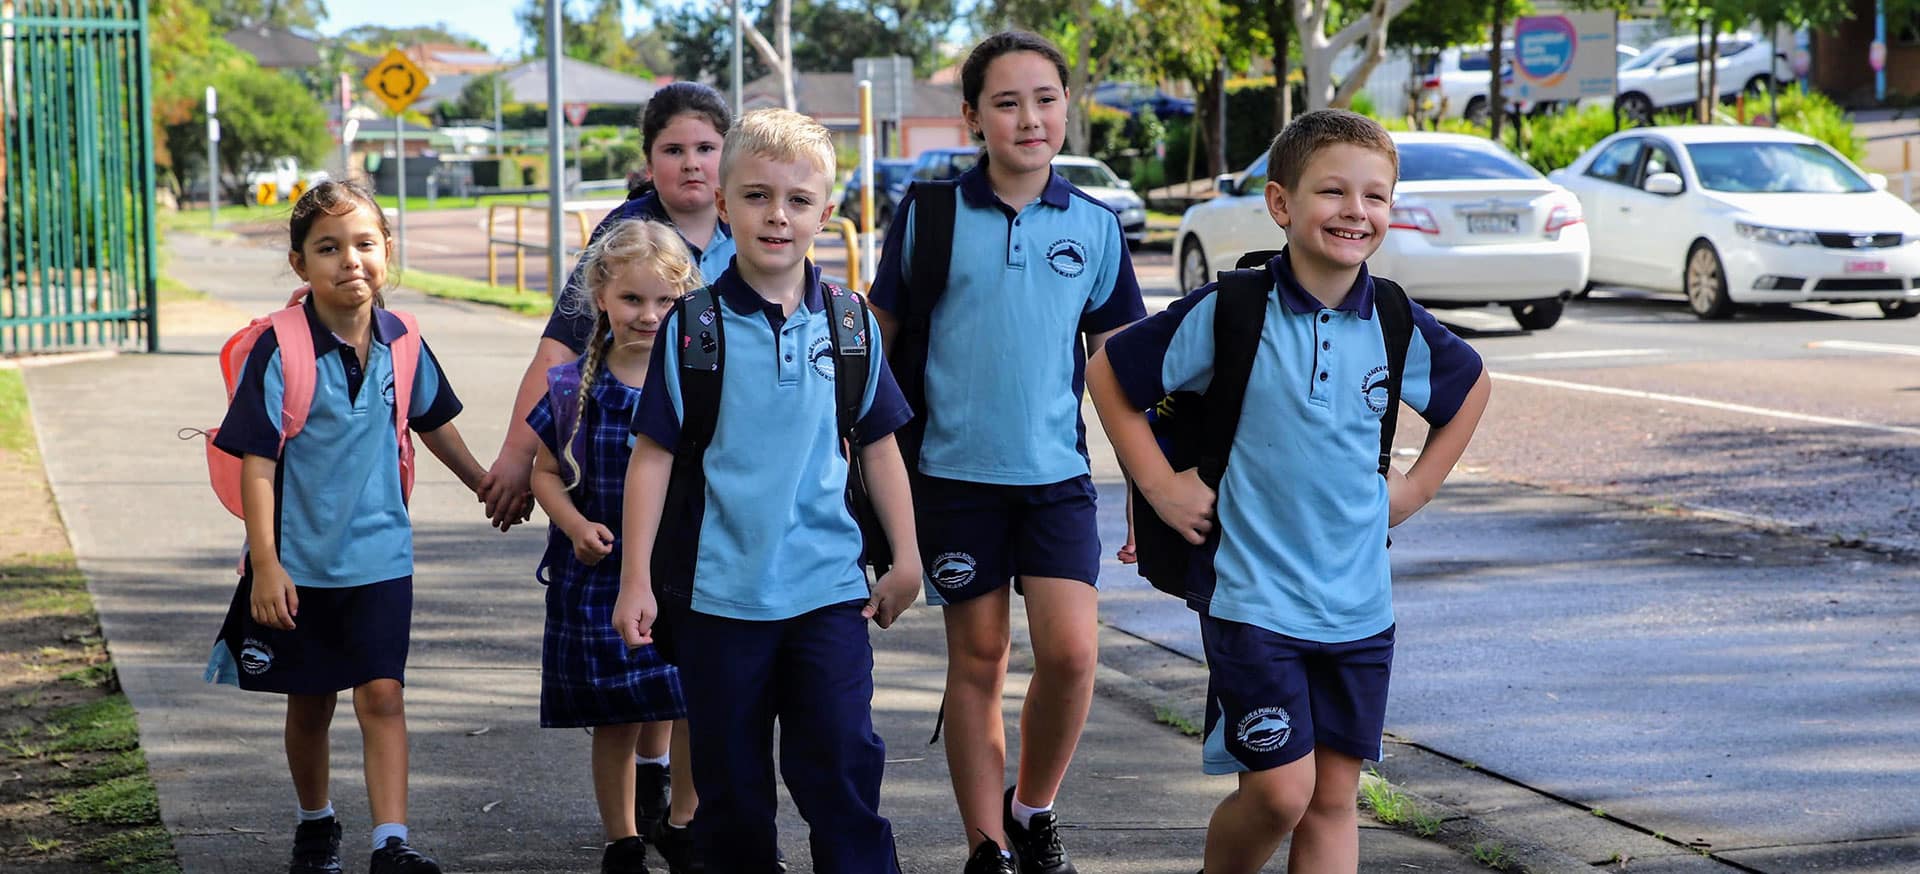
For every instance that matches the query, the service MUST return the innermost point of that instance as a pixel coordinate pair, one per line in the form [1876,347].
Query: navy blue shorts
[976,537]
[1272,699]
[343,638]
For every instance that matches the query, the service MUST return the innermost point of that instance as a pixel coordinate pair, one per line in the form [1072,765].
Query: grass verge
[461,288]
[1169,716]
[78,796]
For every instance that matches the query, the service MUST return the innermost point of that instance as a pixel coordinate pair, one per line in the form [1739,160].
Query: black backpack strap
[1257,258]
[702,357]
[933,211]
[1396,330]
[852,364]
[1238,315]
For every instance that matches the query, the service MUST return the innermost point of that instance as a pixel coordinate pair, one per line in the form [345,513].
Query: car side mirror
[1665,184]
[1878,181]
[1224,184]
[1557,177]
[1126,184]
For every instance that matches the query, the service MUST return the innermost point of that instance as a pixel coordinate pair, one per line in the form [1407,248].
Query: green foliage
[1816,115]
[475,100]
[1393,807]
[263,115]
[1493,856]
[104,725]
[16,428]
[146,850]
[1556,139]
[381,38]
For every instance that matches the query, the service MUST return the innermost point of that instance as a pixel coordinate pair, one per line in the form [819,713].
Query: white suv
[1664,74]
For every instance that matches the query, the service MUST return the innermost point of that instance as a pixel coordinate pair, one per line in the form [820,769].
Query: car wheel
[1193,265]
[1899,309]
[1706,283]
[1476,112]
[1757,86]
[1538,315]
[1635,108]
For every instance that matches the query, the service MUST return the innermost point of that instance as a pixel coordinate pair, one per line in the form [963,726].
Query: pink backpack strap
[405,351]
[298,370]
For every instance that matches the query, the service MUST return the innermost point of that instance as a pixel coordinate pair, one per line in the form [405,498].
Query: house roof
[451,59]
[580,82]
[276,48]
[829,95]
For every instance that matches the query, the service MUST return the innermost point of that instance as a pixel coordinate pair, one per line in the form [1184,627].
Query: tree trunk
[1318,50]
[1079,126]
[780,59]
[1217,156]
[1496,101]
[1700,72]
[1280,27]
[1713,74]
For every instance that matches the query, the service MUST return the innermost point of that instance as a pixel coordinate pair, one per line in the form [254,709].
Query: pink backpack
[299,371]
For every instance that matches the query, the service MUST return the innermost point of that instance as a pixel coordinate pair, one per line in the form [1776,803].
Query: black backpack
[933,212]
[703,359]
[1197,428]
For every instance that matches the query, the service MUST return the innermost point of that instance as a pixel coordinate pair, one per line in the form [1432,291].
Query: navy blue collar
[978,189]
[386,328]
[647,206]
[1359,298]
[741,298]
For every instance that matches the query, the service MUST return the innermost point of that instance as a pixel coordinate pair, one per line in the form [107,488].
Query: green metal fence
[76,167]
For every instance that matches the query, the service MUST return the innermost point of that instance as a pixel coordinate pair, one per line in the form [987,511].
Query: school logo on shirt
[256,658]
[386,392]
[1264,730]
[820,355]
[1067,258]
[952,570]
[1374,389]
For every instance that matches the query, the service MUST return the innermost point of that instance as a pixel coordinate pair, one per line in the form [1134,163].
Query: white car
[1094,177]
[1471,225]
[1734,215]
[1457,79]
[1663,75]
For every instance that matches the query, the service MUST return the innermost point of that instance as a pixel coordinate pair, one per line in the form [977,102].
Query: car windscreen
[1645,59]
[1426,162]
[1773,168]
[1087,175]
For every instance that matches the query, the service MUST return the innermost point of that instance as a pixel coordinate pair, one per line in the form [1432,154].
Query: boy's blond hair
[779,135]
[1307,134]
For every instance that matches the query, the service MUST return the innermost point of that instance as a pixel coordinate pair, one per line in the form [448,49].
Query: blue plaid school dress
[588,676]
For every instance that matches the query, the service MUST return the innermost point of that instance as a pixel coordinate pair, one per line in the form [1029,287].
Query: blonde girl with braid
[589,677]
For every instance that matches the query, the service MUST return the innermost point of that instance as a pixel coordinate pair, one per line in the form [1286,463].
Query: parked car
[1090,175]
[1458,77]
[1094,177]
[1131,97]
[1664,74]
[282,179]
[1471,225]
[1744,215]
[889,176]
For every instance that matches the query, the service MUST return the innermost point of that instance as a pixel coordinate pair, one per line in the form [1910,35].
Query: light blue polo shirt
[1005,363]
[776,536]
[1302,506]
[342,520]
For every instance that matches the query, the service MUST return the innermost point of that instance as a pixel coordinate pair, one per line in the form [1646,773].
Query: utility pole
[739,33]
[213,159]
[556,160]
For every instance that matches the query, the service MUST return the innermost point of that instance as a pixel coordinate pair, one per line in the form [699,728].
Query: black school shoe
[316,847]
[1037,847]
[395,857]
[676,846]
[652,794]
[987,859]
[625,856]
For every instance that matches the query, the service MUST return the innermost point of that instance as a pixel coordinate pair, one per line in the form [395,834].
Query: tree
[263,115]
[1318,49]
[701,39]
[186,55]
[378,38]
[599,37]
[476,99]
[230,14]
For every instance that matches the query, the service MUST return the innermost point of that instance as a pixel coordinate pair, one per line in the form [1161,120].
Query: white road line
[1857,346]
[1580,353]
[1711,405]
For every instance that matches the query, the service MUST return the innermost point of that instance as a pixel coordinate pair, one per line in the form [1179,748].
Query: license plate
[1493,222]
[1866,266]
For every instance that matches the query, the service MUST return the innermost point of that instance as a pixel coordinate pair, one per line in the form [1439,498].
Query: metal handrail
[850,233]
[520,246]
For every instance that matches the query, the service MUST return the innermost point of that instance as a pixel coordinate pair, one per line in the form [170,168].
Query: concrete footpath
[491,790]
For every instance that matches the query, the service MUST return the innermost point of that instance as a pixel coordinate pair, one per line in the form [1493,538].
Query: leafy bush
[1816,115]
[1556,139]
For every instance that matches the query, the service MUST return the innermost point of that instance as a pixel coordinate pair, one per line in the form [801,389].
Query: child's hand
[1404,497]
[893,593]
[1125,554]
[591,543]
[1185,503]
[505,493]
[633,614]
[275,602]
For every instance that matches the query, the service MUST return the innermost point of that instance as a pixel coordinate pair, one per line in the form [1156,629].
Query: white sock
[389,830]
[1023,814]
[663,760]
[311,815]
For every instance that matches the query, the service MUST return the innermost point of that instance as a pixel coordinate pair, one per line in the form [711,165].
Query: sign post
[398,82]
[213,159]
[1564,57]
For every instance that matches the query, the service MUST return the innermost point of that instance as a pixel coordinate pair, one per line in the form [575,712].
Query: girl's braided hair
[634,241]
